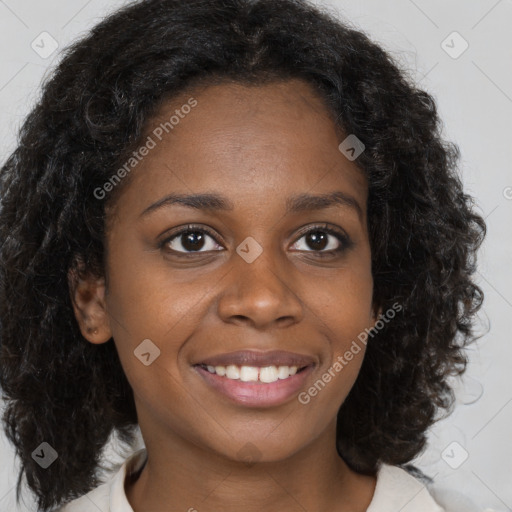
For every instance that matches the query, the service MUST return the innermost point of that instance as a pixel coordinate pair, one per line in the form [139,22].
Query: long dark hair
[424,233]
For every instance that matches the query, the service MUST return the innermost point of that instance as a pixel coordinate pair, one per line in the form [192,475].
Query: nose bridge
[260,288]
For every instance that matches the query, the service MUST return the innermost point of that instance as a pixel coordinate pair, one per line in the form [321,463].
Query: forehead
[248,141]
[244,116]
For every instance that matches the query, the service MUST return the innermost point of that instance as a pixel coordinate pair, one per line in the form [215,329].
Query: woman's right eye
[190,240]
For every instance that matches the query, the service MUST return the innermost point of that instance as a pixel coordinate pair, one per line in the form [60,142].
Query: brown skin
[257,146]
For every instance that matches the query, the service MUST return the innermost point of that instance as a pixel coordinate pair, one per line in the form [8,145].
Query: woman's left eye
[324,239]
[319,239]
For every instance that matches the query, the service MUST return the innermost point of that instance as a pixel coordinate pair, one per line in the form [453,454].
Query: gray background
[473,90]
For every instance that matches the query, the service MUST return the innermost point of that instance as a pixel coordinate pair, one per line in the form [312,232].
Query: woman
[243,234]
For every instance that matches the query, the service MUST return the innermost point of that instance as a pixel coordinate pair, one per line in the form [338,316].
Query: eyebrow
[294,204]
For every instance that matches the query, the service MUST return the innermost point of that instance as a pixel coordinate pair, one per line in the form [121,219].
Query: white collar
[118,501]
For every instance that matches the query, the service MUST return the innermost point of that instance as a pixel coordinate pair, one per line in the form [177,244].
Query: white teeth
[268,374]
[220,370]
[248,373]
[282,372]
[233,372]
[264,374]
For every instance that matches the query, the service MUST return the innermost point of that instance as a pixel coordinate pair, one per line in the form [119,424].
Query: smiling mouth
[255,378]
[255,386]
[254,374]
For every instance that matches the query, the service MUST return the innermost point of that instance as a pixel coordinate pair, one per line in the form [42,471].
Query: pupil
[191,241]
[318,240]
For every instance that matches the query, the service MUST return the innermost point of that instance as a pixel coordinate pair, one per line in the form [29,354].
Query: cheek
[143,310]
[146,297]
[151,316]
[346,314]
[344,303]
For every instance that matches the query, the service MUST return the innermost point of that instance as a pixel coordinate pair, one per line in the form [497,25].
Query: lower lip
[257,394]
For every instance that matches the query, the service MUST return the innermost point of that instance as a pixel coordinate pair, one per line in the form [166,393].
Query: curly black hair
[93,110]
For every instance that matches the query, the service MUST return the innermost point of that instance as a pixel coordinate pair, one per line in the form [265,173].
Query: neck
[181,476]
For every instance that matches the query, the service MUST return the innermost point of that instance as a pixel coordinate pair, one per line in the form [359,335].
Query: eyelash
[345,241]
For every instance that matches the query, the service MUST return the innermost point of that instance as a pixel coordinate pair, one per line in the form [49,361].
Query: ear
[88,298]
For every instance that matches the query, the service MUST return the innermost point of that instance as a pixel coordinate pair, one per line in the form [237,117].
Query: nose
[260,294]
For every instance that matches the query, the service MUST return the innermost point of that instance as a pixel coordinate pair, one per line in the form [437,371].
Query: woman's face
[247,277]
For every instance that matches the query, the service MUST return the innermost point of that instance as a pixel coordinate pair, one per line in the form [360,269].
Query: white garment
[396,490]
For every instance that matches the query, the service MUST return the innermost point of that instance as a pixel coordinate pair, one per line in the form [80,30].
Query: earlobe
[376,315]
[88,299]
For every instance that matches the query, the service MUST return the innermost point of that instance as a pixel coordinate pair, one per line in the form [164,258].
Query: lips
[258,358]
[253,378]
[256,394]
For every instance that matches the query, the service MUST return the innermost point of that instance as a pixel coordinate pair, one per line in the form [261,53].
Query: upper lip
[258,358]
